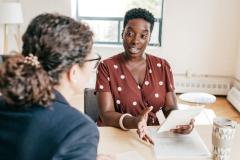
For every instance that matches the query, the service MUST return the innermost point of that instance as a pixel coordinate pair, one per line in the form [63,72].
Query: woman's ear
[122,33]
[73,75]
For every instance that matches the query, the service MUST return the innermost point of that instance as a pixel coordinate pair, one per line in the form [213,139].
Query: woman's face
[86,70]
[136,36]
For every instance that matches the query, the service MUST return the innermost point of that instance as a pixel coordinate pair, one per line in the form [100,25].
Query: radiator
[233,97]
[215,86]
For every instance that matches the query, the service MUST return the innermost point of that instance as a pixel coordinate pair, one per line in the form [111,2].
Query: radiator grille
[216,86]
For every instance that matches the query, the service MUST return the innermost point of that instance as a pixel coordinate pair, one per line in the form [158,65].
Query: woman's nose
[135,39]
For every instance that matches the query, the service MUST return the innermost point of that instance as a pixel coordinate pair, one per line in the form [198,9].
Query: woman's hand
[184,129]
[142,125]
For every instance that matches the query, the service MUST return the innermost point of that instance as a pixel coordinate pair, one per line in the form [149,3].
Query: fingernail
[151,107]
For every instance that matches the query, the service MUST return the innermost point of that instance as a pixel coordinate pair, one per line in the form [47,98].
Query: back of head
[23,82]
[52,44]
[58,42]
[139,13]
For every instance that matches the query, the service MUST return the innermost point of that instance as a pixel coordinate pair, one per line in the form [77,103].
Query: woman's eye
[144,36]
[130,34]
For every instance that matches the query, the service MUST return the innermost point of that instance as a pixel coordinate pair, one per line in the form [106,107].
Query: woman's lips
[134,50]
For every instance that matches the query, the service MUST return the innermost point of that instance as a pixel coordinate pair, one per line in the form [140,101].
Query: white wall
[10,29]
[32,8]
[237,67]
[237,71]
[200,35]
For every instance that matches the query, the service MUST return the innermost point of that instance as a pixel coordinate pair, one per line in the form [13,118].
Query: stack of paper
[170,145]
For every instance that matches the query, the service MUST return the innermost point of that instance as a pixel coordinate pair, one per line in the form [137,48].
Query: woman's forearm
[167,110]
[111,118]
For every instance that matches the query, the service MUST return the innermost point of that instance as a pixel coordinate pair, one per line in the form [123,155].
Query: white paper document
[179,117]
[170,145]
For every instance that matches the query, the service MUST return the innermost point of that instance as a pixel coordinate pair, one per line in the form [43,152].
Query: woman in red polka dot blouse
[133,85]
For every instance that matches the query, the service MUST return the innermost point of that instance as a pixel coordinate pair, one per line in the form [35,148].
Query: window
[106,18]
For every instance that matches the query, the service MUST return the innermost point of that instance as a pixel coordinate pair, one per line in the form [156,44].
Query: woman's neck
[137,58]
[62,90]
[64,87]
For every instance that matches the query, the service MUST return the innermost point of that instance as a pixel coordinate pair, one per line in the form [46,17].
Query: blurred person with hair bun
[36,120]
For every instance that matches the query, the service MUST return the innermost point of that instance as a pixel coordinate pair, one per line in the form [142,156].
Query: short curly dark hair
[58,42]
[139,13]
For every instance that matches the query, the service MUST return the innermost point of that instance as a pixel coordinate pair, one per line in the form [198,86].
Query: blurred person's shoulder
[62,116]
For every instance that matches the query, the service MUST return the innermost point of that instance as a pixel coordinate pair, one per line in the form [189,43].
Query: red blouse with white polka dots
[129,97]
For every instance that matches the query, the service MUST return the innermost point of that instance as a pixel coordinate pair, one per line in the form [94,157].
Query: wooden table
[115,141]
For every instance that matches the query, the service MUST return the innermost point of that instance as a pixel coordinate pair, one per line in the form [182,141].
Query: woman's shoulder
[113,59]
[156,59]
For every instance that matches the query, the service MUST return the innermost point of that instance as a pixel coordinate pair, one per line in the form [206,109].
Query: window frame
[119,20]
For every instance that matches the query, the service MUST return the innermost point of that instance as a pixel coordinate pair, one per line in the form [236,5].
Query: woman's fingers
[184,129]
[149,139]
[143,135]
[142,126]
[146,111]
[140,133]
[192,122]
[149,109]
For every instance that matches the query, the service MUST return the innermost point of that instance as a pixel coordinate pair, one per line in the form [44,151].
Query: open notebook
[170,145]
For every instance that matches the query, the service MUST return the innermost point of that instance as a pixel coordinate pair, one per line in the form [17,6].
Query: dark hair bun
[23,83]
